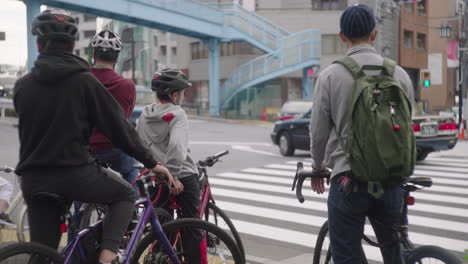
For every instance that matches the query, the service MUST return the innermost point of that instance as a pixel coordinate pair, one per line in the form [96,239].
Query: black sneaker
[6,221]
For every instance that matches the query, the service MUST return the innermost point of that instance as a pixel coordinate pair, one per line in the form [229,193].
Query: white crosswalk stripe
[256,197]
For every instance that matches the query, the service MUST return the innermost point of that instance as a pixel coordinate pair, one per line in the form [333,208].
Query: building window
[174,51]
[332,44]
[421,41]
[408,39]
[2,35]
[88,50]
[77,52]
[156,65]
[88,17]
[155,41]
[163,50]
[77,20]
[329,4]
[77,37]
[422,8]
[89,33]
[408,7]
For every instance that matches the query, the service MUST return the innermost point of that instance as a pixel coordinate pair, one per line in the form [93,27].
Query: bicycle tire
[175,225]
[21,228]
[319,244]
[327,258]
[88,212]
[30,248]
[434,252]
[229,223]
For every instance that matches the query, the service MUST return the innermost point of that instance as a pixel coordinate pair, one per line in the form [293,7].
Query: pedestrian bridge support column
[33,8]
[215,104]
[309,75]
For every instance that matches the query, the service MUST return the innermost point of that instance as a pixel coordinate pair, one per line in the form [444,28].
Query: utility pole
[461,51]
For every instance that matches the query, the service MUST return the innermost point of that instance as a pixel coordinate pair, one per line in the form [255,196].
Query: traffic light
[426,79]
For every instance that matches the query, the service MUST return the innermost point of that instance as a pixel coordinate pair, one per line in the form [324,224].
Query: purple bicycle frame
[149,215]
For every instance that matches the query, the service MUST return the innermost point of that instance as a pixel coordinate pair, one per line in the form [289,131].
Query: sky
[13,22]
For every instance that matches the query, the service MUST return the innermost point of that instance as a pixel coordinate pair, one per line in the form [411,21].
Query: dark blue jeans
[119,162]
[347,216]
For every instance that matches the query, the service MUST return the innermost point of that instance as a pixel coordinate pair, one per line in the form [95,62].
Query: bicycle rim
[217,216]
[220,248]
[29,253]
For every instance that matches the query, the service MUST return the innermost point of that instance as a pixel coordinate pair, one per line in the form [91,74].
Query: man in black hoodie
[59,103]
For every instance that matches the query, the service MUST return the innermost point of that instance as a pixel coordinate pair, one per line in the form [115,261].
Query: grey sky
[13,22]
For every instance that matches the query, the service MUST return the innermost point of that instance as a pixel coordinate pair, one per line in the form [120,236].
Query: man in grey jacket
[163,126]
[329,121]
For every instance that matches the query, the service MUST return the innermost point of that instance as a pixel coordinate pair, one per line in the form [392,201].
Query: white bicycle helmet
[107,39]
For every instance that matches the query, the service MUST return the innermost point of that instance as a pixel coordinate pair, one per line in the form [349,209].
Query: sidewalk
[9,121]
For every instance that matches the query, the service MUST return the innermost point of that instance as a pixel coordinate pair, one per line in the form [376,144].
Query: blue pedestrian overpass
[212,23]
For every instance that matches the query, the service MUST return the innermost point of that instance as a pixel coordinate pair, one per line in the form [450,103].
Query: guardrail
[5,104]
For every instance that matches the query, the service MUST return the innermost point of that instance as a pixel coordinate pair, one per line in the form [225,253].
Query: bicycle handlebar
[7,169]
[301,175]
[210,161]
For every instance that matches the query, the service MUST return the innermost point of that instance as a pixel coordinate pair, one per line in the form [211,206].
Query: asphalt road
[253,183]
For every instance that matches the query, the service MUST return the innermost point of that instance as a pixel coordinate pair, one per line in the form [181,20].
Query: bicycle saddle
[416,183]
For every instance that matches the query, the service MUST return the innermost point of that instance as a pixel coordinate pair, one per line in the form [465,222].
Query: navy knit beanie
[357,21]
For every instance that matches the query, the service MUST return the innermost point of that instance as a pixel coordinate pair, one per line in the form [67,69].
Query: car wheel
[421,155]
[285,144]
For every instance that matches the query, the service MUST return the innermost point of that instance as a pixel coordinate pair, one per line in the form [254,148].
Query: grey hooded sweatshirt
[164,129]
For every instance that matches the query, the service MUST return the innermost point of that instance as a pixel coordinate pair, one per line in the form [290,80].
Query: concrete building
[294,16]
[86,30]
[440,95]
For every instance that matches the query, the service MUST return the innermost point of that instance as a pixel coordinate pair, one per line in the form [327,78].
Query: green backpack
[380,145]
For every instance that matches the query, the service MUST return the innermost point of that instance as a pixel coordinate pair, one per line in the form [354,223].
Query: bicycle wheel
[217,216]
[22,227]
[221,248]
[431,254]
[322,249]
[91,214]
[27,252]
[322,253]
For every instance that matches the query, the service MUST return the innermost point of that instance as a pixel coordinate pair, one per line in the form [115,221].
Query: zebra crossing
[262,206]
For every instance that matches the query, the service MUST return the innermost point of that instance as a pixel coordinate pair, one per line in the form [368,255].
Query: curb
[234,121]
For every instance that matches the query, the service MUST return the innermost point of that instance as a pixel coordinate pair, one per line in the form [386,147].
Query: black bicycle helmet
[51,24]
[169,80]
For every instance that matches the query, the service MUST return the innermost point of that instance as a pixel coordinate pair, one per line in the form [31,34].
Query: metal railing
[188,8]
[251,24]
[295,49]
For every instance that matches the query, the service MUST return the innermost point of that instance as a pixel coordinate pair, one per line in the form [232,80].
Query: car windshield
[296,107]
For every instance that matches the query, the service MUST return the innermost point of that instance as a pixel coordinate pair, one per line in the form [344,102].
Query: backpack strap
[389,66]
[351,65]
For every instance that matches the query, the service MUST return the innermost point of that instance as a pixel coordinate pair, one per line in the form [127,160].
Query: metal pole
[133,55]
[33,8]
[214,92]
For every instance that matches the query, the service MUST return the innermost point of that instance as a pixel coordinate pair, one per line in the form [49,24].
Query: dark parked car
[292,134]
[292,109]
[433,133]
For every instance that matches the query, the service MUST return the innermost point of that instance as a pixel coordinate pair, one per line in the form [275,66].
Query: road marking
[229,143]
[317,221]
[250,149]
[454,160]
[421,206]
[419,172]
[292,237]
[435,180]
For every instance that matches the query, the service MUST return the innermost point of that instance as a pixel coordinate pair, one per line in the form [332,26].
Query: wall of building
[410,21]
[86,31]
[441,94]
